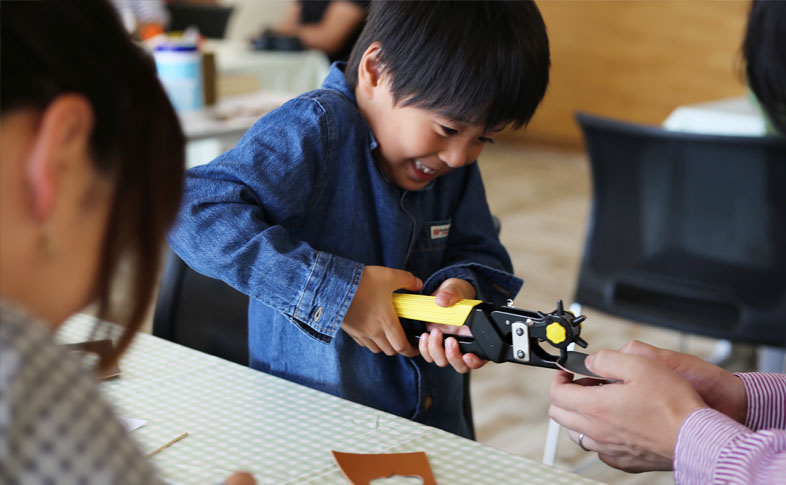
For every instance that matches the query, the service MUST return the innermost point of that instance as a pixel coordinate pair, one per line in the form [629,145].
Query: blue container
[180,71]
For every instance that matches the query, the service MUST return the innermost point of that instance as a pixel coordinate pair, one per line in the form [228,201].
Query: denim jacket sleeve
[236,213]
[474,252]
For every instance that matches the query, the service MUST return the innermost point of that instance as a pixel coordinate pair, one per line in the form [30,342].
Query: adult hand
[240,478]
[633,424]
[371,319]
[720,389]
[431,344]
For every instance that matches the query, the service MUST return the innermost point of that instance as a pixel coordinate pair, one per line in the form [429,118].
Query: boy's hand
[448,294]
[372,320]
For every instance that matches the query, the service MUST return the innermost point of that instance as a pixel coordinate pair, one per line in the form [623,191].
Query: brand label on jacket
[438,232]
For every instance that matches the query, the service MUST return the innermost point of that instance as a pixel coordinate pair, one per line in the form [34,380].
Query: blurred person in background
[144,19]
[329,26]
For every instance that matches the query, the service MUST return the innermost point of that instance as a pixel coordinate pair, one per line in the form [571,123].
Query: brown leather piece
[361,468]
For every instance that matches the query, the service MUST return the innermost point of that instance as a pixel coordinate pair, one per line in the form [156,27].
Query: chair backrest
[687,231]
[211,20]
[202,313]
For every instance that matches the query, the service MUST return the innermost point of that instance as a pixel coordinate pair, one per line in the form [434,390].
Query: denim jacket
[291,215]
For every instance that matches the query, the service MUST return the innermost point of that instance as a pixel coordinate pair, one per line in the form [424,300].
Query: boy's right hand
[372,320]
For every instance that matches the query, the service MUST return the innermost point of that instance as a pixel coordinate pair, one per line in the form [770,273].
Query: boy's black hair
[765,58]
[475,62]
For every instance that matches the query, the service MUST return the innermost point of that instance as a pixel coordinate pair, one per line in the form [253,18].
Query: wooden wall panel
[636,60]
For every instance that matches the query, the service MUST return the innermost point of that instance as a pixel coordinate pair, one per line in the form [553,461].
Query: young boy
[345,194]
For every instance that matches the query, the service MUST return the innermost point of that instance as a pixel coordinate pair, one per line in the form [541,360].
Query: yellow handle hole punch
[424,308]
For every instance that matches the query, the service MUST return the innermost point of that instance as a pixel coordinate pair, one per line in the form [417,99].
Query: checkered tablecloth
[241,419]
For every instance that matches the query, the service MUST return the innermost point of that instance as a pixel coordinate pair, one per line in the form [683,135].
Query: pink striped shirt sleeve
[713,448]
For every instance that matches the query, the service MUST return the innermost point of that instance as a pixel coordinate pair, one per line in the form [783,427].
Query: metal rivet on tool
[520,354]
[529,322]
[519,332]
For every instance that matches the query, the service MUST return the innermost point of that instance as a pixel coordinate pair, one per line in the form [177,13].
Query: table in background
[275,78]
[215,129]
[733,116]
[295,72]
[241,419]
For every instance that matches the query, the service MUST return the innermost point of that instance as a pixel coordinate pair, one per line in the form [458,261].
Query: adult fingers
[240,478]
[616,365]
[561,377]
[568,418]
[567,394]
[586,442]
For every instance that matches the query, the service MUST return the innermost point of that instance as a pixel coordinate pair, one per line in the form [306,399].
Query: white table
[280,76]
[215,129]
[241,419]
[733,116]
[294,72]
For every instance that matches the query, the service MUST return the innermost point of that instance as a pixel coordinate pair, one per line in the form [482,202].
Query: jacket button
[317,314]
[427,402]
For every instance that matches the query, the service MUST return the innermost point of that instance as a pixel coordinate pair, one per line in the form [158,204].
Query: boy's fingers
[423,347]
[369,344]
[397,340]
[406,281]
[449,292]
[454,356]
[473,361]
[446,297]
[435,348]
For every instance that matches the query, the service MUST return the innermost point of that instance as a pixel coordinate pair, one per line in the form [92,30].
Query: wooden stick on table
[162,448]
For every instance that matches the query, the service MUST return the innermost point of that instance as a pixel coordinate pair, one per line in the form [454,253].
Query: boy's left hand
[431,347]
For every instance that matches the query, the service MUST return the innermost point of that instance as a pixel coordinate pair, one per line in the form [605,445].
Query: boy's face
[416,146]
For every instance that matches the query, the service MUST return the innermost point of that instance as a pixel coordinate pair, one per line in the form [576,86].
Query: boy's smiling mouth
[422,172]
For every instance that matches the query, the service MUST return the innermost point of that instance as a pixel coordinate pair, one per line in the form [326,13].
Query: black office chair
[211,20]
[687,231]
[201,312]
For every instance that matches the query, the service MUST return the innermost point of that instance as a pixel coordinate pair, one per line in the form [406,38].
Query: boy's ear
[62,140]
[370,71]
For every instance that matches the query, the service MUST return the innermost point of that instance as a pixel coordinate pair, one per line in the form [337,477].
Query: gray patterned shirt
[54,425]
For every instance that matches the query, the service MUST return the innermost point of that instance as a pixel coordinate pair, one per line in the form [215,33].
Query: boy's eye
[448,130]
[487,140]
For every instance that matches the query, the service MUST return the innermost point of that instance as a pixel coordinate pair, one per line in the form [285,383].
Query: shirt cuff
[703,436]
[326,295]
[766,398]
[491,284]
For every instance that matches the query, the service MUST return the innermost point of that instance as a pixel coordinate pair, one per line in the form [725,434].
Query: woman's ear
[62,141]
[370,71]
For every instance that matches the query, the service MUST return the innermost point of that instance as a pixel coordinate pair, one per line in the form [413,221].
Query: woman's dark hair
[477,62]
[764,50]
[50,48]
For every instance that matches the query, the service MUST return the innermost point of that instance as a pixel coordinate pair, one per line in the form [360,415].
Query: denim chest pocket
[429,248]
